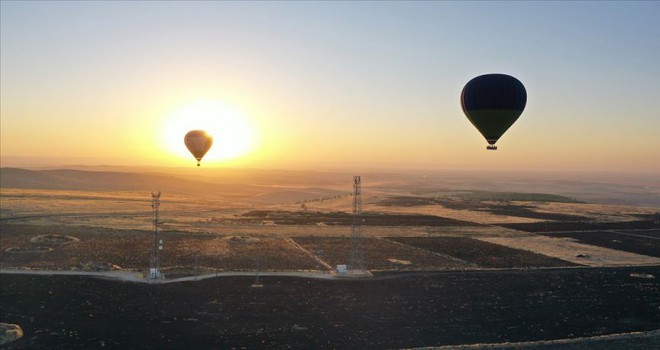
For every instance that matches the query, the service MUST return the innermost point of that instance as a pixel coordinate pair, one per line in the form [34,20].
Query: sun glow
[233,135]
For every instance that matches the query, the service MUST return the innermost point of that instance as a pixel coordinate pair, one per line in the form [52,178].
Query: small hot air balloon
[493,102]
[198,143]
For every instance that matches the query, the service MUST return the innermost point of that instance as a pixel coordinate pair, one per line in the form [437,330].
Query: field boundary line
[591,342]
[308,253]
[126,276]
[448,257]
[633,235]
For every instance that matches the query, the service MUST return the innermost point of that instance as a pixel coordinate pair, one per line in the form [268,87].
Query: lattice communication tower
[157,246]
[356,256]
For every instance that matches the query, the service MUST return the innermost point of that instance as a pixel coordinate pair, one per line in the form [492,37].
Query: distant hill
[289,186]
[79,180]
[255,176]
[234,187]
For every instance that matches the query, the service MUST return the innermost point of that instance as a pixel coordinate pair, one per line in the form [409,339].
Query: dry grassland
[115,228]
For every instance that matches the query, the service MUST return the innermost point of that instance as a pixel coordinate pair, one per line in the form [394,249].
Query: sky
[327,84]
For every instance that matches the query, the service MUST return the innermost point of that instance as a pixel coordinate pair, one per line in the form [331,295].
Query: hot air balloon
[198,143]
[493,102]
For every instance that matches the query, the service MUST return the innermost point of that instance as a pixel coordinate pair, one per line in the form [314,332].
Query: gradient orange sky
[329,84]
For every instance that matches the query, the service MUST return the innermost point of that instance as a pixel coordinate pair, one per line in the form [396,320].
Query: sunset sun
[233,135]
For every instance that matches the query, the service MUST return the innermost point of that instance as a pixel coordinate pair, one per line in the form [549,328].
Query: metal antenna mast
[157,246]
[356,257]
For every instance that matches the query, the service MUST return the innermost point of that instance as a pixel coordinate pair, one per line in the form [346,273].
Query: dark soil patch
[482,253]
[379,254]
[649,217]
[503,208]
[528,212]
[646,233]
[408,201]
[342,218]
[582,226]
[390,311]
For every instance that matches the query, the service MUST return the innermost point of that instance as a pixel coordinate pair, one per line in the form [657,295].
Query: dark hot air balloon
[198,143]
[493,102]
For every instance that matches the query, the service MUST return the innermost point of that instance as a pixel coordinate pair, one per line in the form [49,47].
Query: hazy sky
[337,83]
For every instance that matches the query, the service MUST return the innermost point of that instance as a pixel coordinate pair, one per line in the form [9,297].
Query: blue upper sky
[357,81]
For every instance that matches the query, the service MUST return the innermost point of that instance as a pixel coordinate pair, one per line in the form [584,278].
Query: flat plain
[449,265]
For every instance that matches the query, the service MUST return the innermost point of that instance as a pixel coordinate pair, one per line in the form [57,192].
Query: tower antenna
[157,246]
[356,256]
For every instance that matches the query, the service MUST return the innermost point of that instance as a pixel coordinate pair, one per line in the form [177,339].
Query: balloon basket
[491,148]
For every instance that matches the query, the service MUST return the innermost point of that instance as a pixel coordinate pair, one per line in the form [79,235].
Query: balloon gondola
[198,143]
[492,103]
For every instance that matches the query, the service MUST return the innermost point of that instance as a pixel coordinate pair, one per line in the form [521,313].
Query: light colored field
[567,250]
[598,212]
[480,217]
[127,210]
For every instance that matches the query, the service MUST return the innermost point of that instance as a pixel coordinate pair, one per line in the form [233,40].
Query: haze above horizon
[303,85]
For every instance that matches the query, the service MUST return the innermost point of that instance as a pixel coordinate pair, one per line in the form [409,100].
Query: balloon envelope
[198,143]
[492,103]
